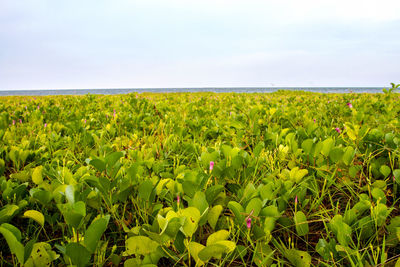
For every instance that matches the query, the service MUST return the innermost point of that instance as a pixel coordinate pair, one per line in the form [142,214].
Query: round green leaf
[140,245]
[37,177]
[301,223]
[213,215]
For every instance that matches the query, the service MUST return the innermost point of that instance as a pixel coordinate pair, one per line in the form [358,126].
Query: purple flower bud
[20,121]
[45,125]
[13,122]
[211,165]
[248,223]
[296,200]
[338,130]
[315,120]
[178,199]
[85,121]
[349,105]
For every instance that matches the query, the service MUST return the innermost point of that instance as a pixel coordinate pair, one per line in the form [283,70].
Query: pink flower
[20,121]
[296,200]
[114,113]
[85,120]
[45,125]
[248,223]
[315,120]
[38,107]
[338,130]
[349,105]
[178,199]
[13,122]
[211,165]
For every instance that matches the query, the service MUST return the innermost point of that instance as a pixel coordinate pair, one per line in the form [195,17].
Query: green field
[179,179]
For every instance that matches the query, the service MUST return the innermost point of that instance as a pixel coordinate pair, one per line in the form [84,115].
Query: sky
[90,44]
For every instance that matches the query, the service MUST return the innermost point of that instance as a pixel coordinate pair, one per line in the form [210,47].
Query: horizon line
[205,87]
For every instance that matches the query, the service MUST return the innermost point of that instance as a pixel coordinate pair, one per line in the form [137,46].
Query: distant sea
[111,91]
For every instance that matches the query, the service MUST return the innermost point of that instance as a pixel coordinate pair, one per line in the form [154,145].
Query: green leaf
[14,230]
[22,176]
[300,220]
[7,212]
[41,255]
[348,155]
[271,211]
[217,236]
[79,255]
[393,229]
[145,190]
[297,175]
[213,215]
[15,246]
[267,192]
[98,164]
[28,249]
[173,227]
[194,249]
[212,192]
[378,195]
[37,177]
[380,212]
[237,210]
[190,225]
[140,245]
[70,194]
[257,150]
[35,215]
[396,174]
[94,232]
[385,170]
[341,230]
[298,258]
[307,146]
[199,201]
[263,254]
[216,250]
[42,196]
[254,206]
[112,158]
[323,249]
[133,262]
[327,146]
[73,214]
[336,154]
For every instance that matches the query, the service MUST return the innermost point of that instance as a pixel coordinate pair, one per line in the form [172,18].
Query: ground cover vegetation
[179,179]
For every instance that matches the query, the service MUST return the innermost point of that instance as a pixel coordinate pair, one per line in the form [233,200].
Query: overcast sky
[205,43]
